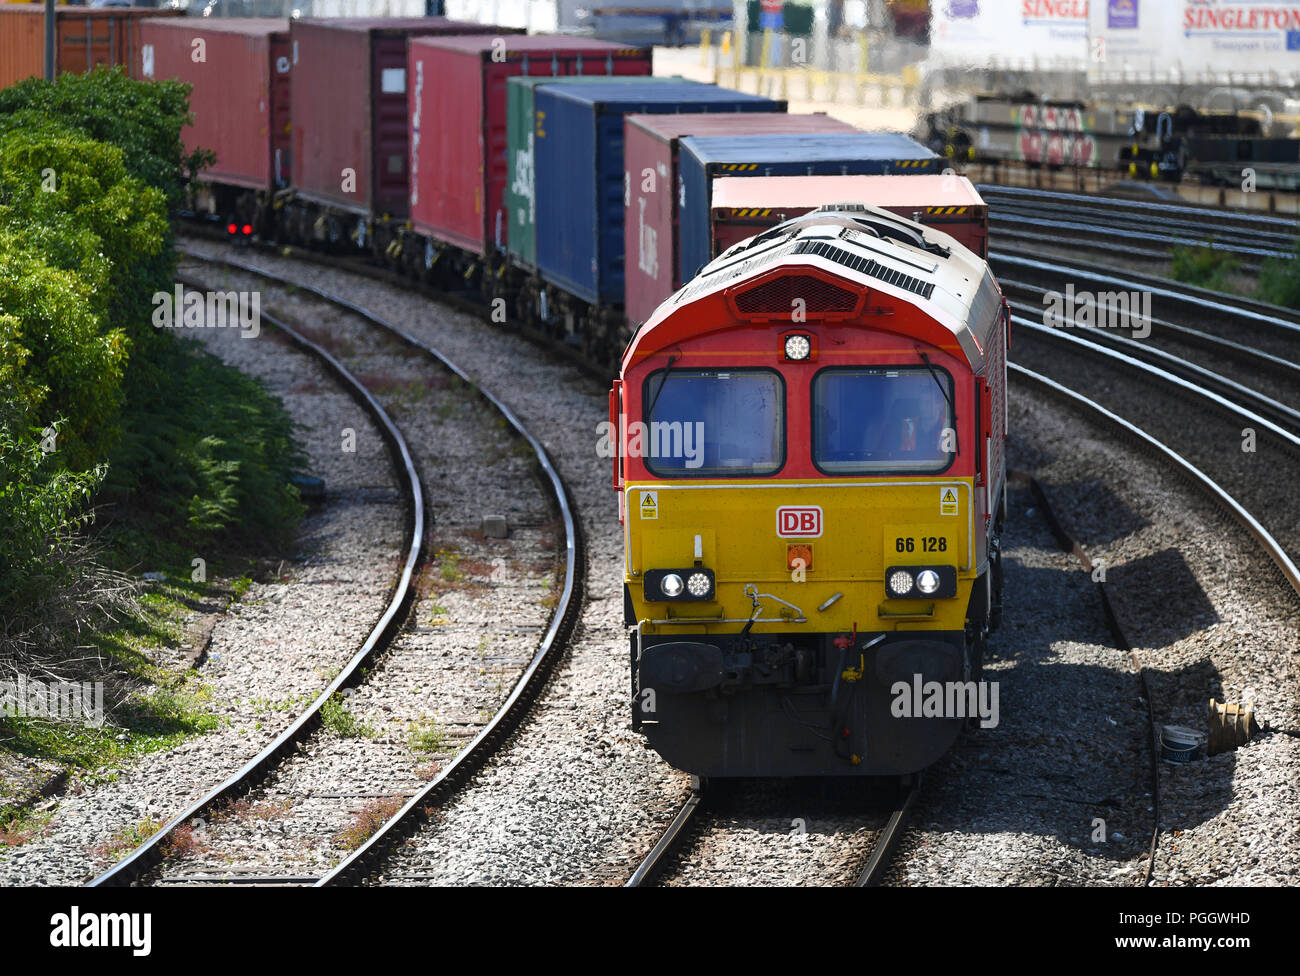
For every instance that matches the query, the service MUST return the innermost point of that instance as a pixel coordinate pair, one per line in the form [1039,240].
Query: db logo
[804,522]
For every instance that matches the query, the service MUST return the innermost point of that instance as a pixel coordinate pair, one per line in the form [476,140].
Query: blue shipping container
[701,158]
[578,150]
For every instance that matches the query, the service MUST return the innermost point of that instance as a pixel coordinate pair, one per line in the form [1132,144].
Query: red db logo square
[802,522]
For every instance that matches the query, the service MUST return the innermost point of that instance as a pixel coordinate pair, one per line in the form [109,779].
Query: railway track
[1255,458]
[284,759]
[134,866]
[1204,484]
[1143,229]
[739,833]
[1226,316]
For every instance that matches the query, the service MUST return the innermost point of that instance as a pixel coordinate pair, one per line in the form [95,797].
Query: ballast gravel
[275,649]
[575,798]
[1059,793]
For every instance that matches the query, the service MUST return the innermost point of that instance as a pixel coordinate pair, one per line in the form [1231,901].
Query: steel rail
[1272,317]
[138,862]
[1137,352]
[1282,224]
[1107,235]
[508,716]
[1210,488]
[1241,351]
[874,871]
[1120,223]
[1223,403]
[653,863]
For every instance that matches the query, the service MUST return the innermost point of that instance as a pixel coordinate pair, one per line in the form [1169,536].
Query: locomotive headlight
[927,581]
[900,582]
[686,585]
[797,347]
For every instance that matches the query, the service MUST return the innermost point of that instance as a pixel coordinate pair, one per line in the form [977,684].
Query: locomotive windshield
[871,421]
[702,423]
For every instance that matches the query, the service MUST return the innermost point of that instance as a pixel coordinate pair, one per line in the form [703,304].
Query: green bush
[1279,280]
[193,455]
[208,454]
[143,119]
[1203,266]
[57,360]
[80,207]
[41,506]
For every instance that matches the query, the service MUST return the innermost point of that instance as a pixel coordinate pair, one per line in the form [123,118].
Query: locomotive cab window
[702,423]
[887,419]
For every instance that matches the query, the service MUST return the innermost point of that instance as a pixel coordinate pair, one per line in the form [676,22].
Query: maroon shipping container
[240,97]
[350,138]
[83,38]
[458,123]
[650,224]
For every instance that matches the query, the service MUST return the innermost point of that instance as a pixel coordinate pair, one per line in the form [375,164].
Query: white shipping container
[539,16]
[1014,34]
[1194,41]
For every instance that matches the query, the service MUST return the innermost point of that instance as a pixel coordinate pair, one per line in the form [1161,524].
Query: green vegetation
[428,739]
[1279,279]
[126,839]
[338,718]
[1203,266]
[19,825]
[100,410]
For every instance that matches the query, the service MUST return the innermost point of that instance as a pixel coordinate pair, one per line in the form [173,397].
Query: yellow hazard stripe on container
[750,212]
[946,211]
[738,167]
[913,163]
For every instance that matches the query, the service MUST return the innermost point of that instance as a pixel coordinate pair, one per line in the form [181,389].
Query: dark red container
[650,224]
[458,123]
[240,97]
[350,139]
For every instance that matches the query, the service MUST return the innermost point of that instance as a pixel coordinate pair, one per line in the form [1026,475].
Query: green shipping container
[521,188]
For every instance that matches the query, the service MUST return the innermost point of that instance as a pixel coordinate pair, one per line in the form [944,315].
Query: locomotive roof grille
[866,266]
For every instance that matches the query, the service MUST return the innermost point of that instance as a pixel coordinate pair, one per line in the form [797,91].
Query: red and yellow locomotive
[812,485]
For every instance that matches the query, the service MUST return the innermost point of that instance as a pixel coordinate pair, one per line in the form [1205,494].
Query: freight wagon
[84,37]
[745,207]
[521,170]
[702,160]
[350,125]
[579,158]
[240,103]
[458,125]
[654,186]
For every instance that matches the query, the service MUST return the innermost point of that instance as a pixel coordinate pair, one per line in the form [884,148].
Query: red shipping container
[745,206]
[350,139]
[458,123]
[83,38]
[651,178]
[240,97]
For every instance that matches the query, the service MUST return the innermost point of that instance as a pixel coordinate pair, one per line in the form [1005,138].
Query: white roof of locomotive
[957,289]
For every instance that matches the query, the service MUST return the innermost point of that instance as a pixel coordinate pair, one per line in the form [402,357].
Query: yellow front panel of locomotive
[745,531]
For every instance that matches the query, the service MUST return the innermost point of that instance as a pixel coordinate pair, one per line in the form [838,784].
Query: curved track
[135,865]
[522,694]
